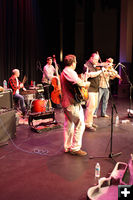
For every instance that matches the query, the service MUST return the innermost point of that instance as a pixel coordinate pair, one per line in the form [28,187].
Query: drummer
[15,85]
[48,73]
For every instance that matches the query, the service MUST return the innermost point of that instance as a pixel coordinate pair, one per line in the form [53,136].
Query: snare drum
[39,105]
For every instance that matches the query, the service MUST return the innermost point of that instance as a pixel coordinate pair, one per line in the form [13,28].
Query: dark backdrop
[30,30]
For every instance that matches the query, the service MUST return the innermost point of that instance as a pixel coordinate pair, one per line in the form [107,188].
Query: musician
[15,85]
[92,74]
[104,86]
[74,117]
[48,73]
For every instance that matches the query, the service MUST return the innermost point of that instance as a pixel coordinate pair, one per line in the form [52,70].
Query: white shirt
[17,91]
[48,72]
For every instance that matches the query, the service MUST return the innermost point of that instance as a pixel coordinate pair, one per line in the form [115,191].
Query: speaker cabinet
[6,99]
[7,125]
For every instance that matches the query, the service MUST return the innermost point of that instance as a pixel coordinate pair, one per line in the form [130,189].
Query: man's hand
[103,69]
[21,85]
[87,84]
[24,88]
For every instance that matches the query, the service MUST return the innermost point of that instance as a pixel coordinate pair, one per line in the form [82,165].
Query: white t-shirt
[48,72]
[17,91]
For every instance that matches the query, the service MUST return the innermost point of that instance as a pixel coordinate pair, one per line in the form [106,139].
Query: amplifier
[7,125]
[6,99]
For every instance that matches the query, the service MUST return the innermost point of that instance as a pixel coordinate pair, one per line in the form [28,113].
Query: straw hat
[110,60]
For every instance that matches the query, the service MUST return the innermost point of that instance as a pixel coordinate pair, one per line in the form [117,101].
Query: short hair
[69,59]
[95,55]
[49,58]
[14,71]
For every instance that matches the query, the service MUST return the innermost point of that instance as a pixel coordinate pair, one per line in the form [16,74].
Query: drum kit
[38,107]
[35,100]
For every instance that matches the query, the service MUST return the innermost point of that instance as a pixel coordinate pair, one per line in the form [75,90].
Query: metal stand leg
[111,155]
[111,139]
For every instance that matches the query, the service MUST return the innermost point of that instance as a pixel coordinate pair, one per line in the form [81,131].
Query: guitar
[80,93]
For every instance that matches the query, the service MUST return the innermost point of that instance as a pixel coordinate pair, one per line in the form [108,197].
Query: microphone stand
[113,106]
[131,87]
[111,155]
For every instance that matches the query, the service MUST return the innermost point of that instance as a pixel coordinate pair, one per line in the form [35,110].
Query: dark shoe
[94,125]
[78,153]
[24,113]
[90,128]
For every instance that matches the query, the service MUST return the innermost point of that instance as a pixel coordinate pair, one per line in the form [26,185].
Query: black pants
[48,88]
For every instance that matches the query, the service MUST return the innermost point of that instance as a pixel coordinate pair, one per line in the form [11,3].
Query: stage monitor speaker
[7,125]
[6,99]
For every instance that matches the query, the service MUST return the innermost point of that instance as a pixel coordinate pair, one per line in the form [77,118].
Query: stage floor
[33,166]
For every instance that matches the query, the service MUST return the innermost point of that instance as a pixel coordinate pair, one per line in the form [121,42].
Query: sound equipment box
[6,99]
[7,125]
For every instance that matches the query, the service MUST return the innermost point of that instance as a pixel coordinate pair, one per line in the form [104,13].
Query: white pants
[74,127]
[90,108]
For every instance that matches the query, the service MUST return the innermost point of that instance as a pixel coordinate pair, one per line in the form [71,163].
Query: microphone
[122,65]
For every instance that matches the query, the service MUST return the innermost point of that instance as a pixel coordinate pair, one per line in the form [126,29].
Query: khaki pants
[74,127]
[90,108]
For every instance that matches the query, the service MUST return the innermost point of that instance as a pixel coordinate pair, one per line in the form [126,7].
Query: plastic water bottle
[117,121]
[97,170]
[5,84]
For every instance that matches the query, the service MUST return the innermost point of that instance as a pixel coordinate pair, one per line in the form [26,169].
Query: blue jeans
[21,99]
[103,95]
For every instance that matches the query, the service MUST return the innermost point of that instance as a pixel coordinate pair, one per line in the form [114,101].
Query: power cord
[43,152]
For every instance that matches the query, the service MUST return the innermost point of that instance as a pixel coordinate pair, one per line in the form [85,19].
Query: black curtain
[30,32]
[18,37]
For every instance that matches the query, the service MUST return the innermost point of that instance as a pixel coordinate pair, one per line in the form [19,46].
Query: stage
[33,166]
